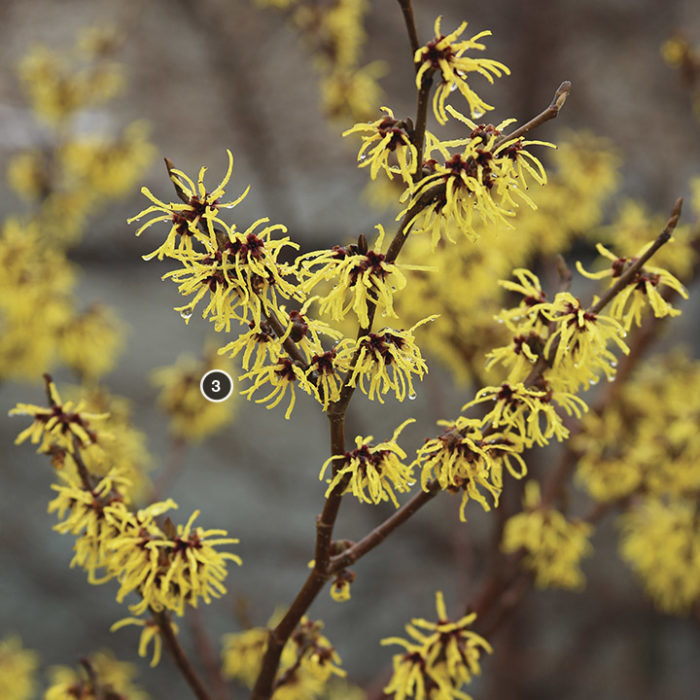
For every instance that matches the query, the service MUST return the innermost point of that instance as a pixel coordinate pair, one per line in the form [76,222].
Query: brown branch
[383,530]
[550,113]
[278,637]
[181,660]
[207,654]
[407,10]
[80,464]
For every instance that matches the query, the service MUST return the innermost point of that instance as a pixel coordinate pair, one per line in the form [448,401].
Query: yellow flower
[241,275]
[17,670]
[554,544]
[150,633]
[482,183]
[372,472]
[463,459]
[340,588]
[359,278]
[441,659]
[284,374]
[58,426]
[521,410]
[328,368]
[384,137]
[200,209]
[577,348]
[641,291]
[445,54]
[388,359]
[95,517]
[169,566]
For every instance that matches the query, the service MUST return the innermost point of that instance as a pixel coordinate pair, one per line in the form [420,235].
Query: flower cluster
[372,473]
[642,291]
[360,279]
[61,426]
[168,566]
[553,544]
[462,458]
[439,660]
[388,360]
[473,180]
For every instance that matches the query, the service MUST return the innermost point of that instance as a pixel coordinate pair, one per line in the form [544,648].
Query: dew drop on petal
[453,87]
[363,157]
[477,114]
[411,397]
[186,315]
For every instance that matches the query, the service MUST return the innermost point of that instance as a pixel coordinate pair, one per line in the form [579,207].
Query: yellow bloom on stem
[284,375]
[554,544]
[328,368]
[388,360]
[442,658]
[58,426]
[359,277]
[371,472]
[239,274]
[192,219]
[169,567]
[463,459]
[386,136]
[445,54]
[95,517]
[150,632]
[521,410]
[577,347]
[484,182]
[642,290]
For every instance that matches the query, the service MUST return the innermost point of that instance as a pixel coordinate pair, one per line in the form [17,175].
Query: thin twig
[181,660]
[207,655]
[382,531]
[628,275]
[550,113]
[407,10]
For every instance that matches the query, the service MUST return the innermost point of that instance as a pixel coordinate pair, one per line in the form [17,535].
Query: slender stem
[181,660]
[628,275]
[407,10]
[80,464]
[207,654]
[550,113]
[383,530]
[278,637]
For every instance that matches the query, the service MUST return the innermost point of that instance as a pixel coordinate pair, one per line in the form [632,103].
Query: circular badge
[216,385]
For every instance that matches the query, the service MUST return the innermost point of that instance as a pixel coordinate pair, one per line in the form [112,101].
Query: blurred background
[215,74]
